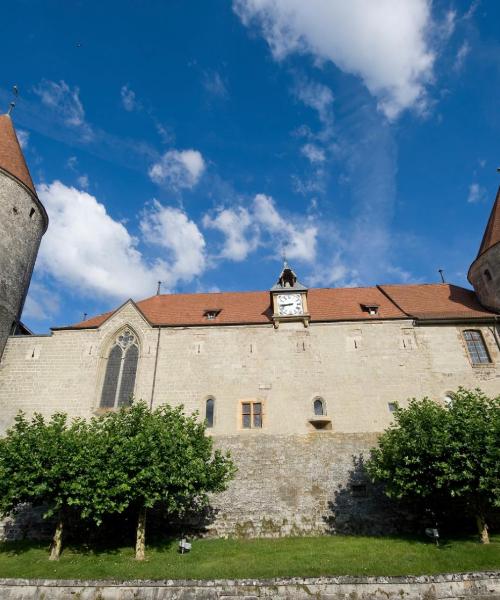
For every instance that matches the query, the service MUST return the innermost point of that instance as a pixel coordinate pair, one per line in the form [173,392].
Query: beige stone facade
[356,368]
[290,473]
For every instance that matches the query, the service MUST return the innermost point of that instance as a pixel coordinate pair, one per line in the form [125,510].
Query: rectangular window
[251,415]
[476,347]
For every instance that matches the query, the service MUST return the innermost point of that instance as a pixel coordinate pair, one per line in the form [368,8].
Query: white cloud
[462,54]
[171,229]
[245,229]
[86,249]
[72,163]
[313,153]
[214,84]
[178,169]
[41,303]
[23,136]
[298,240]
[129,100]
[477,193]
[318,97]
[241,237]
[83,181]
[65,101]
[385,43]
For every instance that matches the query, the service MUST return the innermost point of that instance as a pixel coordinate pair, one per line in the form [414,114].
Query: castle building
[296,382]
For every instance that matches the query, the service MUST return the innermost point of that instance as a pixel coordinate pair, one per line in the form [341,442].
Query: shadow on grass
[18,547]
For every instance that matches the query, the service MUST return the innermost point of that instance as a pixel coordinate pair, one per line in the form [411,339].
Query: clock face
[290,304]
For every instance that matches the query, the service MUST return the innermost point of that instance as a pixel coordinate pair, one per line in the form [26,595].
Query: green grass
[260,558]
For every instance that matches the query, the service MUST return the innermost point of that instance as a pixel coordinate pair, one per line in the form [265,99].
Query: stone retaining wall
[450,587]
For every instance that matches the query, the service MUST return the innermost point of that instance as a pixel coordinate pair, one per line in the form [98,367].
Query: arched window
[448,400]
[209,412]
[121,369]
[476,347]
[319,407]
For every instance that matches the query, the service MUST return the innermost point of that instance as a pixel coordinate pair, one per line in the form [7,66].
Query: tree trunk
[482,528]
[55,549]
[140,542]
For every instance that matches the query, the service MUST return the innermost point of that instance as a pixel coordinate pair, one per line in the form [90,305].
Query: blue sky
[194,142]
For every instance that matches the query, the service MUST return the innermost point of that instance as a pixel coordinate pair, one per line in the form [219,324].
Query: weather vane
[12,105]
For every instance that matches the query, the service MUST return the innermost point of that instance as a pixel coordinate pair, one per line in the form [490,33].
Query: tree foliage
[443,456]
[134,458]
[151,458]
[42,463]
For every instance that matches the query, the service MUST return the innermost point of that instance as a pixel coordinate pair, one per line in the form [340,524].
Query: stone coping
[278,581]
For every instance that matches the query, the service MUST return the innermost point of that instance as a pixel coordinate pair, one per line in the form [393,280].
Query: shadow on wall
[26,522]
[361,508]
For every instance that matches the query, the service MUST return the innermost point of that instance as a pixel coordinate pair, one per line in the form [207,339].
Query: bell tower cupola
[23,221]
[484,273]
[289,298]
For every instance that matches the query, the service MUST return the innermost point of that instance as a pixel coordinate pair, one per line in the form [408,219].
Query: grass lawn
[261,558]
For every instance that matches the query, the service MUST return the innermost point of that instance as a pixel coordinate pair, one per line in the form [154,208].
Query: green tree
[441,456]
[42,463]
[146,458]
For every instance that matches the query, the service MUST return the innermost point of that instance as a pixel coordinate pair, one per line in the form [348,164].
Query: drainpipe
[155,369]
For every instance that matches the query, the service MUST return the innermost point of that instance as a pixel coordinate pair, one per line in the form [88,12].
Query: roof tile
[11,156]
[422,301]
[492,232]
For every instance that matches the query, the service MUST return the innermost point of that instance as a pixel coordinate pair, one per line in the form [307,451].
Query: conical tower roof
[492,233]
[11,156]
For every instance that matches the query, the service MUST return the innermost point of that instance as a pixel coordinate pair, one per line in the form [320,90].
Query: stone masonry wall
[21,229]
[301,485]
[292,478]
[484,586]
[485,277]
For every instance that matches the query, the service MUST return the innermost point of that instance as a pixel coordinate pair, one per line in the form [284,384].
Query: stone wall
[484,275]
[285,369]
[293,478]
[301,485]
[484,586]
[21,228]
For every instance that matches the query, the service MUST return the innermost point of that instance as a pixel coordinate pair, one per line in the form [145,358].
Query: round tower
[484,273]
[23,221]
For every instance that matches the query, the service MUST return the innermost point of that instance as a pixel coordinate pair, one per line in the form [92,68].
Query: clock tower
[289,299]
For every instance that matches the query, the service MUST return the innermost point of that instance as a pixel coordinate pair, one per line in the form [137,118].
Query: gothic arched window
[121,369]
[319,407]
[209,412]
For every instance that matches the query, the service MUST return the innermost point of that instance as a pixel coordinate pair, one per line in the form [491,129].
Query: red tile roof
[11,155]
[492,233]
[432,301]
[436,301]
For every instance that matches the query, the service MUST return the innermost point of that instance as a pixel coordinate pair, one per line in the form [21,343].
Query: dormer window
[211,313]
[371,309]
